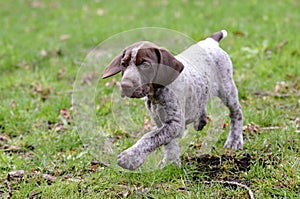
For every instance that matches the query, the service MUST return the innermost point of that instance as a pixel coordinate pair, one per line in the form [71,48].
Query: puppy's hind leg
[171,154]
[229,96]
[202,120]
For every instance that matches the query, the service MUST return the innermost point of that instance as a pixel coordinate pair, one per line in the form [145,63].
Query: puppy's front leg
[134,156]
[170,113]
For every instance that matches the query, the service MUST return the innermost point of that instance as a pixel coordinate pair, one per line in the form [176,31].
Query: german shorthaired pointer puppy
[176,90]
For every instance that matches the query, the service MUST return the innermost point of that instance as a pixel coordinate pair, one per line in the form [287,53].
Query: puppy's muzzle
[126,88]
[129,90]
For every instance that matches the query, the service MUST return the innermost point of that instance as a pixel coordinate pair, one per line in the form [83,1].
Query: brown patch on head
[165,66]
[146,55]
[140,57]
[125,59]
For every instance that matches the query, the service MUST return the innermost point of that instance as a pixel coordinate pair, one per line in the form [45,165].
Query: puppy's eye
[145,65]
[123,65]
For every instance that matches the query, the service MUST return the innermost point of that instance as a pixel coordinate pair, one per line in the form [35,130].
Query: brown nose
[127,88]
[126,84]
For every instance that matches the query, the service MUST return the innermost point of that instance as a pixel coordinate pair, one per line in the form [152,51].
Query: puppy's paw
[163,163]
[234,142]
[200,125]
[131,159]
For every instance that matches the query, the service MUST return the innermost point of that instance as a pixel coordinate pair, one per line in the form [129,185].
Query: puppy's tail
[218,36]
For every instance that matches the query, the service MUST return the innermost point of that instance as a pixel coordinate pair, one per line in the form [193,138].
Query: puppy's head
[144,66]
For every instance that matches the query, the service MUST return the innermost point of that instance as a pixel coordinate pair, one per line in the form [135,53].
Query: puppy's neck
[154,92]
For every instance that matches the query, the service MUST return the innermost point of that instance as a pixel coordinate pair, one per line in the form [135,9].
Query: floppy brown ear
[169,68]
[113,68]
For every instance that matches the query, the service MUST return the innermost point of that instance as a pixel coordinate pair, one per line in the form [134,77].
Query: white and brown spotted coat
[176,90]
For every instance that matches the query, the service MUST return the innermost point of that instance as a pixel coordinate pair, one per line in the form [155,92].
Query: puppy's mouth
[138,92]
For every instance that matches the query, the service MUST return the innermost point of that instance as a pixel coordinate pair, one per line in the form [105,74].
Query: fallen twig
[266,93]
[250,192]
[97,162]
[269,128]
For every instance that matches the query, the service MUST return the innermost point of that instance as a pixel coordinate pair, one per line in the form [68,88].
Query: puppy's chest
[156,110]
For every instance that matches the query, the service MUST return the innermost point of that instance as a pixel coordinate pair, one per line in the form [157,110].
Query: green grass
[41,44]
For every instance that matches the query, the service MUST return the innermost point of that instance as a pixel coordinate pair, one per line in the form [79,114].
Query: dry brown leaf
[244,101]
[53,53]
[37,4]
[177,15]
[64,37]
[208,119]
[44,92]
[239,33]
[43,53]
[252,127]
[107,84]
[281,87]
[100,163]
[13,149]
[85,8]
[65,114]
[33,194]
[13,104]
[93,168]
[89,77]
[3,137]
[147,124]
[23,64]
[282,44]
[61,73]
[101,12]
[224,125]
[19,174]
[112,82]
[59,127]
[49,177]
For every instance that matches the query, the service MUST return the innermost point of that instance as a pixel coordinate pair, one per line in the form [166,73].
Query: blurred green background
[43,42]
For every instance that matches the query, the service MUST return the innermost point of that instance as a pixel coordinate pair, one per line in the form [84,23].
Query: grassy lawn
[42,46]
